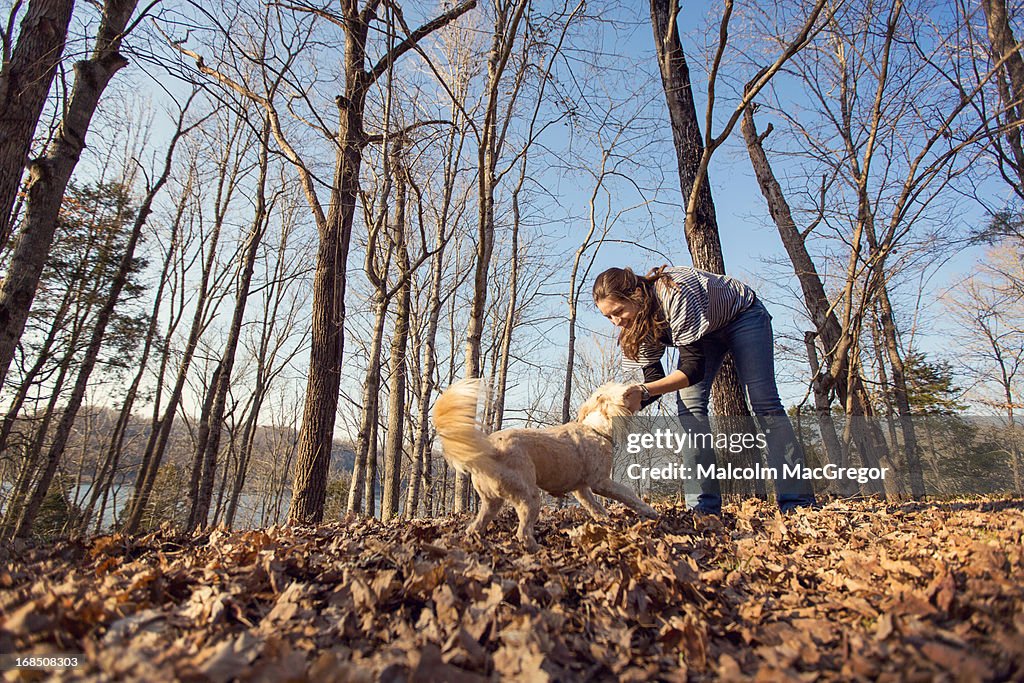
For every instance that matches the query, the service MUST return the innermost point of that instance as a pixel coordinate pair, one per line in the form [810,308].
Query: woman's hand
[632,398]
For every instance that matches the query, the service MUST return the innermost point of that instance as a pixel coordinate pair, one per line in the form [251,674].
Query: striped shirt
[700,303]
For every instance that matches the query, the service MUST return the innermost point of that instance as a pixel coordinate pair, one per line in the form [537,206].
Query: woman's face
[622,312]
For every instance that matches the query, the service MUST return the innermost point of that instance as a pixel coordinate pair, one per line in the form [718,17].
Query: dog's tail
[466,447]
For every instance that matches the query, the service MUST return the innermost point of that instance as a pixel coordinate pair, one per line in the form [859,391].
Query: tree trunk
[703,239]
[369,413]
[702,228]
[309,487]
[161,429]
[24,86]
[370,480]
[511,313]
[423,468]
[394,443]
[245,451]
[316,435]
[225,476]
[1011,87]
[208,447]
[506,28]
[103,317]
[837,340]
[270,344]
[823,409]
[49,175]
[890,341]
[114,450]
[887,398]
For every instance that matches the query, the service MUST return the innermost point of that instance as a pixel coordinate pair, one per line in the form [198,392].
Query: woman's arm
[675,381]
[636,400]
[690,371]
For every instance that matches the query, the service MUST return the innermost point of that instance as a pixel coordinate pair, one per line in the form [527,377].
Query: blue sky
[749,239]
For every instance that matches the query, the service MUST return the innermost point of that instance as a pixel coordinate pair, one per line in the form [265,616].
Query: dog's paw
[529,545]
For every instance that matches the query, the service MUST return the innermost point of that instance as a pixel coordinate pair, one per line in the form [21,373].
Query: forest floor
[856,590]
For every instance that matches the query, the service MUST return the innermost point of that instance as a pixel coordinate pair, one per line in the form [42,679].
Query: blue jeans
[749,337]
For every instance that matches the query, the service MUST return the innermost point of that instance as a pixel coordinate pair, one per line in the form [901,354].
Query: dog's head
[607,402]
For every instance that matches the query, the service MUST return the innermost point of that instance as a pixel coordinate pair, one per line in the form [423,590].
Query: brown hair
[622,284]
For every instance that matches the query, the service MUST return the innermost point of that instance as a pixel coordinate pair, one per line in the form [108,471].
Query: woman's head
[620,295]
[629,301]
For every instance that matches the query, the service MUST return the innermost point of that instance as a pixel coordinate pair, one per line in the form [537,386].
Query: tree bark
[823,409]
[701,229]
[369,413]
[890,343]
[703,238]
[421,487]
[497,411]
[370,480]
[24,86]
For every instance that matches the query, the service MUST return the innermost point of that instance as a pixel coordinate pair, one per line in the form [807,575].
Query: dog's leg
[527,505]
[489,509]
[623,494]
[586,498]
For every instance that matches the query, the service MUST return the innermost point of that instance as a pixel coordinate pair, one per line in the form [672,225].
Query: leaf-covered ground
[851,591]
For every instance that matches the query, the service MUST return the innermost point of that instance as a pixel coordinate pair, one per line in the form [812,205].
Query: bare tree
[275,343]
[229,168]
[894,128]
[990,309]
[103,481]
[49,175]
[1006,55]
[208,447]
[99,331]
[445,214]
[508,18]
[394,443]
[25,79]
[841,372]
[334,225]
[620,154]
[694,150]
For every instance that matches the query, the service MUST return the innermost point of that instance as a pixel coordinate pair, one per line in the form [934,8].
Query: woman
[703,315]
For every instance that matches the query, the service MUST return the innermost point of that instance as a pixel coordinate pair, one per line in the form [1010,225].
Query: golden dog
[512,463]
